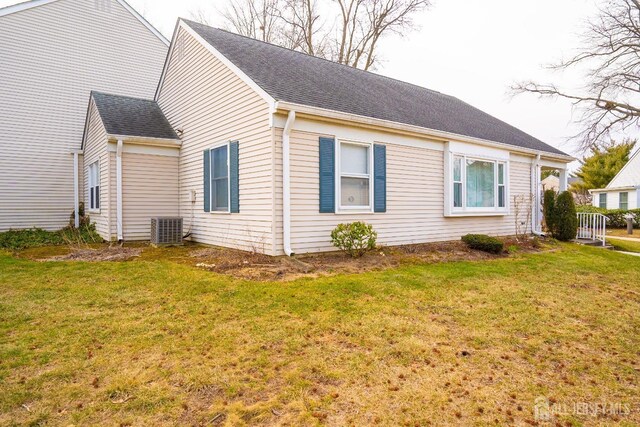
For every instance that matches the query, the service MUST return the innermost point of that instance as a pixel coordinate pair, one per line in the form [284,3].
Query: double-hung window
[94,186]
[478,185]
[624,201]
[602,202]
[220,179]
[355,169]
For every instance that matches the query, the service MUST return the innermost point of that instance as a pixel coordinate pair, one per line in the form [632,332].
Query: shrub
[34,237]
[566,225]
[549,205]
[484,243]
[356,238]
[616,218]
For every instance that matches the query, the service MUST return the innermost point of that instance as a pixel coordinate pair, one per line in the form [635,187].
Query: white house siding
[95,149]
[205,99]
[52,56]
[149,189]
[415,197]
[613,199]
[629,176]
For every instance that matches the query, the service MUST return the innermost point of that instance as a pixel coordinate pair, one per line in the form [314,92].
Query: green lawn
[624,245]
[468,343]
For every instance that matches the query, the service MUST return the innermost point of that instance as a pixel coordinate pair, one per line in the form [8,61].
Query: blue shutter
[327,175]
[234,183]
[207,180]
[379,178]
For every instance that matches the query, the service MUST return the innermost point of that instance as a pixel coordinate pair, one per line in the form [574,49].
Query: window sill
[354,212]
[479,213]
[219,212]
[93,211]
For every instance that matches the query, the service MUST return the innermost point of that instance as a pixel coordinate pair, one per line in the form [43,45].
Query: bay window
[478,185]
[354,183]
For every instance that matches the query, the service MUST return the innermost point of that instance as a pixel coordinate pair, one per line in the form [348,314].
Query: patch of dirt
[254,266]
[258,267]
[111,253]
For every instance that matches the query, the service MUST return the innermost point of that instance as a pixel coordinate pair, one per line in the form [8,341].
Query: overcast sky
[471,49]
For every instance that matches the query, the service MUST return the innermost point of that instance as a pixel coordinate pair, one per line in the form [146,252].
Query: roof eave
[146,140]
[412,129]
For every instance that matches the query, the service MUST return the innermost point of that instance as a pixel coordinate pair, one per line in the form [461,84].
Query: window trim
[211,187]
[464,210]
[620,200]
[339,175]
[91,185]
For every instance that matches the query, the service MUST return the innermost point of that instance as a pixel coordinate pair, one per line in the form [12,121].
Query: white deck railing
[592,226]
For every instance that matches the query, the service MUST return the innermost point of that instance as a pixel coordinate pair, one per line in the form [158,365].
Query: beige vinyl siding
[52,56]
[212,105]
[149,189]
[415,199]
[96,150]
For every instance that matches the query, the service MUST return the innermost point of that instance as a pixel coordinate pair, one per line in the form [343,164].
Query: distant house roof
[26,5]
[126,116]
[294,77]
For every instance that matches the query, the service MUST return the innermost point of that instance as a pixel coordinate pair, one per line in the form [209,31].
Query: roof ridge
[97,92]
[315,57]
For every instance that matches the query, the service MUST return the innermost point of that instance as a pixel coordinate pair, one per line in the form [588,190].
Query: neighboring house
[551,182]
[276,148]
[622,192]
[52,54]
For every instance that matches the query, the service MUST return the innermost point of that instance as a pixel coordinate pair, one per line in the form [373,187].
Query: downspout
[119,190]
[76,190]
[286,184]
[535,190]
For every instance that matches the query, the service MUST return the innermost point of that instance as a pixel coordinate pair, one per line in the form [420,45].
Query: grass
[622,232]
[36,237]
[624,245]
[467,343]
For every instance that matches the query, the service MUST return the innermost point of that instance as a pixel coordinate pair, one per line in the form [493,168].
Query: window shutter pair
[327,151]
[234,178]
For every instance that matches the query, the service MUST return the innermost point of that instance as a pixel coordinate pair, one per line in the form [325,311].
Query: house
[622,192]
[269,149]
[52,54]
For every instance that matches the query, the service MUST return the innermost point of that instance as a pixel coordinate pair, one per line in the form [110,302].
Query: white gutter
[535,191]
[286,184]
[76,190]
[412,129]
[119,191]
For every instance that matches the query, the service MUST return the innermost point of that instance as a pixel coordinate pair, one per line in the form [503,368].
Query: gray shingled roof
[294,77]
[126,116]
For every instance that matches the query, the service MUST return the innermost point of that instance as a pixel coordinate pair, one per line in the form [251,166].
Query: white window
[478,185]
[603,200]
[624,201]
[220,179]
[354,176]
[94,186]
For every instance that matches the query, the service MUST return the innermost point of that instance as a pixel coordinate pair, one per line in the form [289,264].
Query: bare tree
[257,19]
[346,31]
[609,102]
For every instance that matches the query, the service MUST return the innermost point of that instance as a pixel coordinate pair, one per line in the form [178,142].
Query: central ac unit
[166,231]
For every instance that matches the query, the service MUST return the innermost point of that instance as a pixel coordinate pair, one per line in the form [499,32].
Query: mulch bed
[254,266]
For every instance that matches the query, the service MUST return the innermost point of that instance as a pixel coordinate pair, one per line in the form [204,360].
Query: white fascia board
[23,6]
[442,135]
[142,140]
[237,71]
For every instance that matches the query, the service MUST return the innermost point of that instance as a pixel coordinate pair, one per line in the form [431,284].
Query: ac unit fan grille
[166,231]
